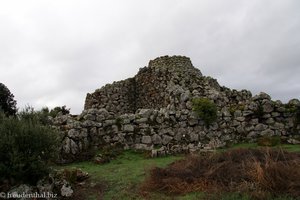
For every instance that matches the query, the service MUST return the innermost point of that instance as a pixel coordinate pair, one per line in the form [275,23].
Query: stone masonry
[153,111]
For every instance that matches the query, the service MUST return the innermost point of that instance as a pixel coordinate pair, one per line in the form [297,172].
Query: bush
[205,109]
[26,148]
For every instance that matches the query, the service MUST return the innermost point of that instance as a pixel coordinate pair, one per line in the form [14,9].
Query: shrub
[205,109]
[26,148]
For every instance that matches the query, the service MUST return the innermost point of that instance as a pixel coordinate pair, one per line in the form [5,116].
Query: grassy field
[121,178]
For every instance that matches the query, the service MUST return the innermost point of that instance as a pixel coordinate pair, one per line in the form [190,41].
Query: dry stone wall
[153,111]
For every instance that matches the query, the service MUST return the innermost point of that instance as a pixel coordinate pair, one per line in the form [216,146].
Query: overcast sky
[53,52]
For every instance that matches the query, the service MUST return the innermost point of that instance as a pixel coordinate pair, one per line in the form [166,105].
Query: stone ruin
[153,111]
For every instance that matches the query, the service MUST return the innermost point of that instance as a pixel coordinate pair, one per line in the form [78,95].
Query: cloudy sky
[52,52]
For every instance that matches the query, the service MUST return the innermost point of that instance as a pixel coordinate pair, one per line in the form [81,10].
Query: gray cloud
[54,52]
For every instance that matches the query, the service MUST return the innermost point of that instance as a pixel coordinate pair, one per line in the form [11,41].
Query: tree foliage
[7,102]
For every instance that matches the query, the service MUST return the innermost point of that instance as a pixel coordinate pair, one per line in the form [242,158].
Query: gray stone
[240,129]
[247,113]
[278,125]
[275,114]
[225,112]
[294,102]
[73,133]
[260,127]
[185,96]
[253,106]
[235,123]
[166,139]
[67,145]
[193,121]
[146,139]
[154,153]
[88,123]
[252,134]
[74,147]
[144,113]
[293,141]
[267,132]
[90,117]
[189,105]
[141,120]
[249,128]
[156,139]
[261,96]
[93,131]
[109,122]
[194,137]
[240,119]
[270,121]
[45,185]
[128,128]
[66,190]
[268,107]
[254,121]
[238,113]
[106,138]
[178,136]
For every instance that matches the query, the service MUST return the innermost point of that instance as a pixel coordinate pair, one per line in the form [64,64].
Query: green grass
[124,175]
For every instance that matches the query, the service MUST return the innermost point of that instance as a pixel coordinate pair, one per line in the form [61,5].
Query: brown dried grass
[257,172]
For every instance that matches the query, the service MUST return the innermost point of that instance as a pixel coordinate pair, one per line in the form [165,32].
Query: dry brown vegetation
[260,173]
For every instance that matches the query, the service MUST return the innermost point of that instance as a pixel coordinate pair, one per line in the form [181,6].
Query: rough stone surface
[154,109]
[66,191]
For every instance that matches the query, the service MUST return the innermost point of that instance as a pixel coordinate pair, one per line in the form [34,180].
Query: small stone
[66,191]
[260,127]
[156,139]
[267,132]
[128,128]
[166,139]
[146,139]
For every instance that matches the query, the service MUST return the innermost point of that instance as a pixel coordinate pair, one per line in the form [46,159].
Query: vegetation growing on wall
[205,109]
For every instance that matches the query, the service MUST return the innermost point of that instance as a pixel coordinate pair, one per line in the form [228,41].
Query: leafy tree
[7,102]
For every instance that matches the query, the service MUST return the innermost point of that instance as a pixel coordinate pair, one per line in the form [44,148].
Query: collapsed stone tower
[167,82]
[154,110]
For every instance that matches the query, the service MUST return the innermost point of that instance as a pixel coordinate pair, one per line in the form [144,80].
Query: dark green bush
[27,147]
[205,109]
